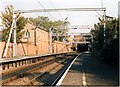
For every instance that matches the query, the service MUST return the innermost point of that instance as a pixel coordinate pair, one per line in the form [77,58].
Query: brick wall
[30,49]
[2,44]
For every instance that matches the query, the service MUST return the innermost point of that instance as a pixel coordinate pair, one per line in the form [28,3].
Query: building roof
[32,26]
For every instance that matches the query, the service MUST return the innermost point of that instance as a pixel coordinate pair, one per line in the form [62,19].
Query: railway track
[14,74]
[44,73]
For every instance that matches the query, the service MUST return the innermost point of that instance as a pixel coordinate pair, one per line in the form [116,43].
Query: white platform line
[60,81]
[84,82]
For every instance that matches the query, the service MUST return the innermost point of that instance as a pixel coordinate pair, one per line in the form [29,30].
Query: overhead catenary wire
[55,8]
[45,9]
[99,14]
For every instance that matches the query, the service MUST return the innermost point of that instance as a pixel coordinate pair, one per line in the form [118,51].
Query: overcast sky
[75,18]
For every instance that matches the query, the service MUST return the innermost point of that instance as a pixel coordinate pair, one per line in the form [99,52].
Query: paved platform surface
[89,69]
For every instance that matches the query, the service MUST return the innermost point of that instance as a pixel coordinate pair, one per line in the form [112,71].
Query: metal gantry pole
[8,41]
[104,25]
[50,33]
[15,44]
[91,41]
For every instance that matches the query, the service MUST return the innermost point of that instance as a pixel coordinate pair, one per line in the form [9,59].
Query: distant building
[76,38]
[79,38]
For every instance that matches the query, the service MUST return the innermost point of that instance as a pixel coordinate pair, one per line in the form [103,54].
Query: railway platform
[88,69]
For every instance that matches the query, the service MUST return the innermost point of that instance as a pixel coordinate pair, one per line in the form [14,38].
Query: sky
[75,18]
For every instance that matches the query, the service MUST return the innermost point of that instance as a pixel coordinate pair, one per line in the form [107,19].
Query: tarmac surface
[89,70]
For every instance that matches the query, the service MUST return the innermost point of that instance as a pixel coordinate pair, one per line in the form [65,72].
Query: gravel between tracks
[26,79]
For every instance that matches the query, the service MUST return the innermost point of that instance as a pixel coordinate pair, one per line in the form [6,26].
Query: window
[27,34]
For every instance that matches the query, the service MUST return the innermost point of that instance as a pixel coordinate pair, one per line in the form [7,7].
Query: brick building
[37,37]
[35,41]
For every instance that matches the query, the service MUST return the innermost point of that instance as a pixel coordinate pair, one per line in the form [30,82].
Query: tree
[7,18]
[98,33]
[109,49]
[110,32]
[40,21]
[45,22]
